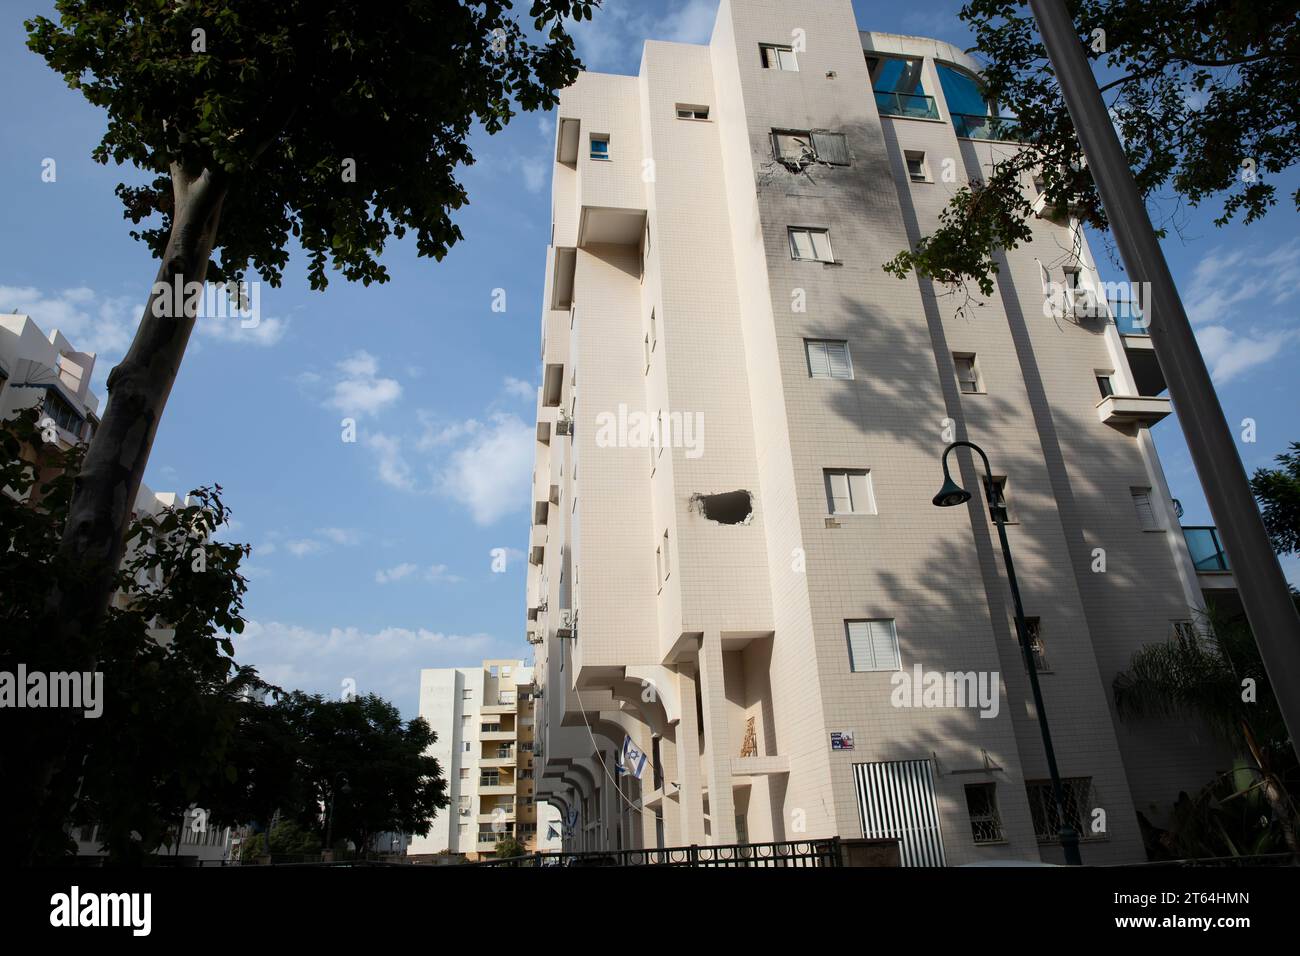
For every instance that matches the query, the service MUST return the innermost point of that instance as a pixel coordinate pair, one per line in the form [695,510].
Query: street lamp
[950,495]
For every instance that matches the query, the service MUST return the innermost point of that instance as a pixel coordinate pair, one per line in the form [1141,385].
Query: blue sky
[373,559]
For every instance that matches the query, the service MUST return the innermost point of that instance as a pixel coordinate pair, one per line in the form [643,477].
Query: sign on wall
[841,740]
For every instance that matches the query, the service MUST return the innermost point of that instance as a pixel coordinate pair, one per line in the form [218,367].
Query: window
[692,112]
[1035,628]
[599,146]
[793,145]
[778,57]
[1078,801]
[468,743]
[807,146]
[996,495]
[1145,509]
[873,645]
[668,560]
[464,773]
[654,331]
[828,358]
[466,694]
[814,244]
[1105,384]
[849,492]
[1072,279]
[464,801]
[891,74]
[968,374]
[917,171]
[659,566]
[489,778]
[982,807]
[647,353]
[61,412]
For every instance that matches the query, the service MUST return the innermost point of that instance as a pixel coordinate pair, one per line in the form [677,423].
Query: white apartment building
[483,718]
[750,598]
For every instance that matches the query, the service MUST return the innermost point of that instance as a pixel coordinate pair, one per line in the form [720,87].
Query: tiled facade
[664,615]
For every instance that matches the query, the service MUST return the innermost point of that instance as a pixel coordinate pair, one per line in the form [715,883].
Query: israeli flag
[632,759]
[551,833]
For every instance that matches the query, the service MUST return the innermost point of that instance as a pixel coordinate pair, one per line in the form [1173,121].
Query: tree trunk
[99,515]
[1274,793]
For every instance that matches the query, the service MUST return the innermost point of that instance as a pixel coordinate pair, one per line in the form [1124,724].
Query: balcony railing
[1206,548]
[974,126]
[915,105]
[1128,317]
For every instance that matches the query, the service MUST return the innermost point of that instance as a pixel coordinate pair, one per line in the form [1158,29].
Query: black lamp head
[951,494]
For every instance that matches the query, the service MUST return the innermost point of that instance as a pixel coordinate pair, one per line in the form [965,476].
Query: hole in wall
[728,507]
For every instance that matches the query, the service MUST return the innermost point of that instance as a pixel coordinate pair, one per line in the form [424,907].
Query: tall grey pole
[1259,579]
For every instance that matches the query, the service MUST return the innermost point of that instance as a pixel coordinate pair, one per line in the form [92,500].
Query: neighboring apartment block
[483,717]
[734,558]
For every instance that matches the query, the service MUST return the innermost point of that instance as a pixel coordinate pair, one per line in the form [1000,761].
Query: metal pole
[1256,572]
[1069,838]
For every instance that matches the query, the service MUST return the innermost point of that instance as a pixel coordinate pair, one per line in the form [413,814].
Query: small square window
[599,146]
[873,645]
[810,244]
[849,492]
[1105,384]
[792,145]
[778,57]
[917,170]
[982,807]
[1145,509]
[692,112]
[828,358]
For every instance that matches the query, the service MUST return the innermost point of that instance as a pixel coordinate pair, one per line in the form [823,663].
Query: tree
[287,839]
[1215,673]
[170,690]
[1278,493]
[1202,93]
[335,124]
[361,759]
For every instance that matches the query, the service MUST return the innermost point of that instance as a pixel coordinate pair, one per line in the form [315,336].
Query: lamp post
[329,821]
[952,494]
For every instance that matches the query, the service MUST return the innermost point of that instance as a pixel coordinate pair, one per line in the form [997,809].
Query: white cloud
[360,390]
[490,474]
[386,662]
[612,39]
[391,464]
[344,536]
[231,329]
[301,547]
[1229,354]
[518,388]
[387,576]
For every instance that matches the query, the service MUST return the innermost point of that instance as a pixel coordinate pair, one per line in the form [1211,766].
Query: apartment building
[734,559]
[483,717]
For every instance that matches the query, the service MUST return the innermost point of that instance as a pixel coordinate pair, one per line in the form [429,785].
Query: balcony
[1135,333]
[911,105]
[1206,549]
[974,126]
[1143,410]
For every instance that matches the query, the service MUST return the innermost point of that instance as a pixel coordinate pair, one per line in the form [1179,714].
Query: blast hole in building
[729,507]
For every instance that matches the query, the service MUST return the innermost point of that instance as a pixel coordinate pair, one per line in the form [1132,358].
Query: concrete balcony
[499,707]
[489,762]
[492,817]
[503,789]
[502,735]
[1142,410]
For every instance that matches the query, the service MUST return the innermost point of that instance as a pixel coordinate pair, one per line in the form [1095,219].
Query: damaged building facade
[743,606]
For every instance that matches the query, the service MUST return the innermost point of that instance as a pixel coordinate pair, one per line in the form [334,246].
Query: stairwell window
[849,492]
[873,645]
[1105,384]
[828,358]
[778,57]
[1145,508]
[810,244]
[917,170]
[968,373]
[600,146]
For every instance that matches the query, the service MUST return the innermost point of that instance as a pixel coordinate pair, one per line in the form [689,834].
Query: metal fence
[787,854]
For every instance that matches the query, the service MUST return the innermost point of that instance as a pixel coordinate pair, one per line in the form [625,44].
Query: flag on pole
[552,833]
[632,759]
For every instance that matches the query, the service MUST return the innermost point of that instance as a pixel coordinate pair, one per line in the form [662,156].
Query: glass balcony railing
[1205,547]
[1128,317]
[916,105]
[973,126]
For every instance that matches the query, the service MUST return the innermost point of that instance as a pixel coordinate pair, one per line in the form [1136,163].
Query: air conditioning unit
[564,425]
[568,628]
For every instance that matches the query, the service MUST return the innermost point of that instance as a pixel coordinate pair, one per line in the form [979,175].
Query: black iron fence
[798,853]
